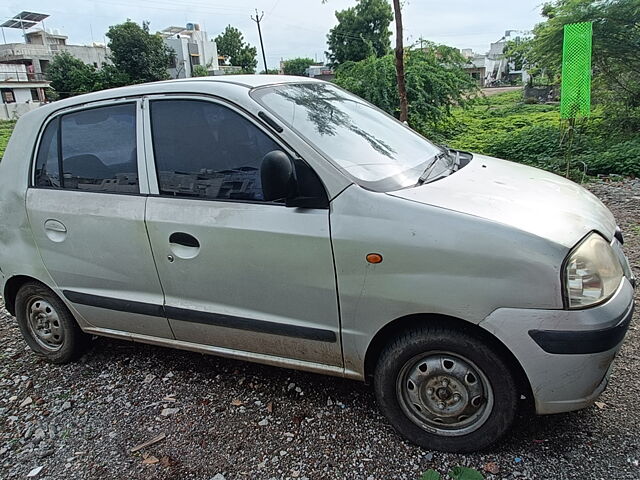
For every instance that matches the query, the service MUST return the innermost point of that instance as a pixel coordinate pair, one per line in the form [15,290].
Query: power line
[274,7]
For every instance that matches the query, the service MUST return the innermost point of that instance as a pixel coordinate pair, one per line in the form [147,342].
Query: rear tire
[445,390]
[47,325]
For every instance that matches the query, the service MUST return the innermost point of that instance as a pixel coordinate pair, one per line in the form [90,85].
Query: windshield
[371,147]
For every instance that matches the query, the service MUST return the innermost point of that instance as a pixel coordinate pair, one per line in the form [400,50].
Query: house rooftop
[40,32]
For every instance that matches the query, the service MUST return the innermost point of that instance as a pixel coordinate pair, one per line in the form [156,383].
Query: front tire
[47,325]
[445,390]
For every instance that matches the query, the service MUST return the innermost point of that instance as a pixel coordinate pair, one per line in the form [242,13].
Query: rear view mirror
[276,174]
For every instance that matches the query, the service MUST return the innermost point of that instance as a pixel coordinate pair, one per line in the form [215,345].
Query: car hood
[526,198]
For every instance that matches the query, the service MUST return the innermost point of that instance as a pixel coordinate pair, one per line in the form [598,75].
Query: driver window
[206,150]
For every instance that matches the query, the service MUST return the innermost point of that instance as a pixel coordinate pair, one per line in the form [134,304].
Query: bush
[620,158]
[507,127]
[6,127]
[527,144]
[435,79]
[199,71]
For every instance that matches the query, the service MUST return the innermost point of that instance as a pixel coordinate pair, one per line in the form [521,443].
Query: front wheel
[445,390]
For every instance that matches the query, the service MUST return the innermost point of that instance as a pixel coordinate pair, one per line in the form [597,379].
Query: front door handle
[184,245]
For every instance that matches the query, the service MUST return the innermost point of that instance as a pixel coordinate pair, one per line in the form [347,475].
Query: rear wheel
[47,325]
[445,390]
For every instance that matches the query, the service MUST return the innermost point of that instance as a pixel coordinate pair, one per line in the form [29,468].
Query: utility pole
[258,19]
[402,87]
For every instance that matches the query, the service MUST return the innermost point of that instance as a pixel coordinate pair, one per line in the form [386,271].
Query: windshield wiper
[456,159]
[427,171]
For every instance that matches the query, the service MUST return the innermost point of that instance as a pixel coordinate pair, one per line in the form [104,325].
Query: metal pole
[3,37]
[264,57]
[44,36]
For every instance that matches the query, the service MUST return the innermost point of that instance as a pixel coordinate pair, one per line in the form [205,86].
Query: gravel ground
[225,419]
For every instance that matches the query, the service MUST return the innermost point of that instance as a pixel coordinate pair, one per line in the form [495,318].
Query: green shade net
[576,70]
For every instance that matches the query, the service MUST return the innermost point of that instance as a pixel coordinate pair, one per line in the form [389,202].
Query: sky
[290,28]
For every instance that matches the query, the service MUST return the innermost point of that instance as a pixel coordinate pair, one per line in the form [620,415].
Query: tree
[361,31]
[436,81]
[616,63]
[296,66]
[231,44]
[615,40]
[137,55]
[111,77]
[517,51]
[70,76]
[247,59]
[339,38]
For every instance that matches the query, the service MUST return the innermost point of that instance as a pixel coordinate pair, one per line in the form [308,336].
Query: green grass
[497,117]
[505,126]
[6,127]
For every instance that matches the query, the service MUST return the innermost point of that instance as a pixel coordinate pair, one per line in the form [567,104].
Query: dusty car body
[456,294]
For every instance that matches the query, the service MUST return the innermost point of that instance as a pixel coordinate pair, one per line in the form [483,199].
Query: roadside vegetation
[443,103]
[435,82]
[6,127]
[506,126]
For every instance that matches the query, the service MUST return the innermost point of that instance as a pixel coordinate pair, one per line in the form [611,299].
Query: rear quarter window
[47,172]
[96,149]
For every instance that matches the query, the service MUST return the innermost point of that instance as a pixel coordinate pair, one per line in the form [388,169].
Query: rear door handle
[55,230]
[183,245]
[184,239]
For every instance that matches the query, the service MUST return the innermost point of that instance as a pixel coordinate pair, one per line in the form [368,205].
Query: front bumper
[566,354]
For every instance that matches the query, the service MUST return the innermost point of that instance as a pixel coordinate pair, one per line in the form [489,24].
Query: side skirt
[228,353]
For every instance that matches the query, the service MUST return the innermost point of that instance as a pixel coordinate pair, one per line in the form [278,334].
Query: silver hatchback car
[285,221]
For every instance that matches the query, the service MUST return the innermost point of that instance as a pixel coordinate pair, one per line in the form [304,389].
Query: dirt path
[497,90]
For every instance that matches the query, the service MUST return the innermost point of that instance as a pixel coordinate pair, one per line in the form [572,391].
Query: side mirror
[276,174]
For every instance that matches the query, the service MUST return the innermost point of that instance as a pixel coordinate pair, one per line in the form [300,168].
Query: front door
[238,273]
[88,222]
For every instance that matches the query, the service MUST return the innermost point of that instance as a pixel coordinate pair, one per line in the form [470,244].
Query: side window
[47,172]
[99,149]
[206,150]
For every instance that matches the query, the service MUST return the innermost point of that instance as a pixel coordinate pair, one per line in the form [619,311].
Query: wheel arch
[393,328]
[11,287]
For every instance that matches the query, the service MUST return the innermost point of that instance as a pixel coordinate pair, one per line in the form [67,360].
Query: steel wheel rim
[444,393]
[44,324]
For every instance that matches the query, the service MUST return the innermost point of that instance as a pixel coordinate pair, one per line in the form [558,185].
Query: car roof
[168,86]
[249,81]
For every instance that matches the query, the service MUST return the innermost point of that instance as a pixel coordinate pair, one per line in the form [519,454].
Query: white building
[192,47]
[320,71]
[493,67]
[41,46]
[18,92]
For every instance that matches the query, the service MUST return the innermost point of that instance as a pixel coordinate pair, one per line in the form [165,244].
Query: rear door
[86,207]
[238,272]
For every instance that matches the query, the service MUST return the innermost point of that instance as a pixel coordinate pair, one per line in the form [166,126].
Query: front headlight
[593,272]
